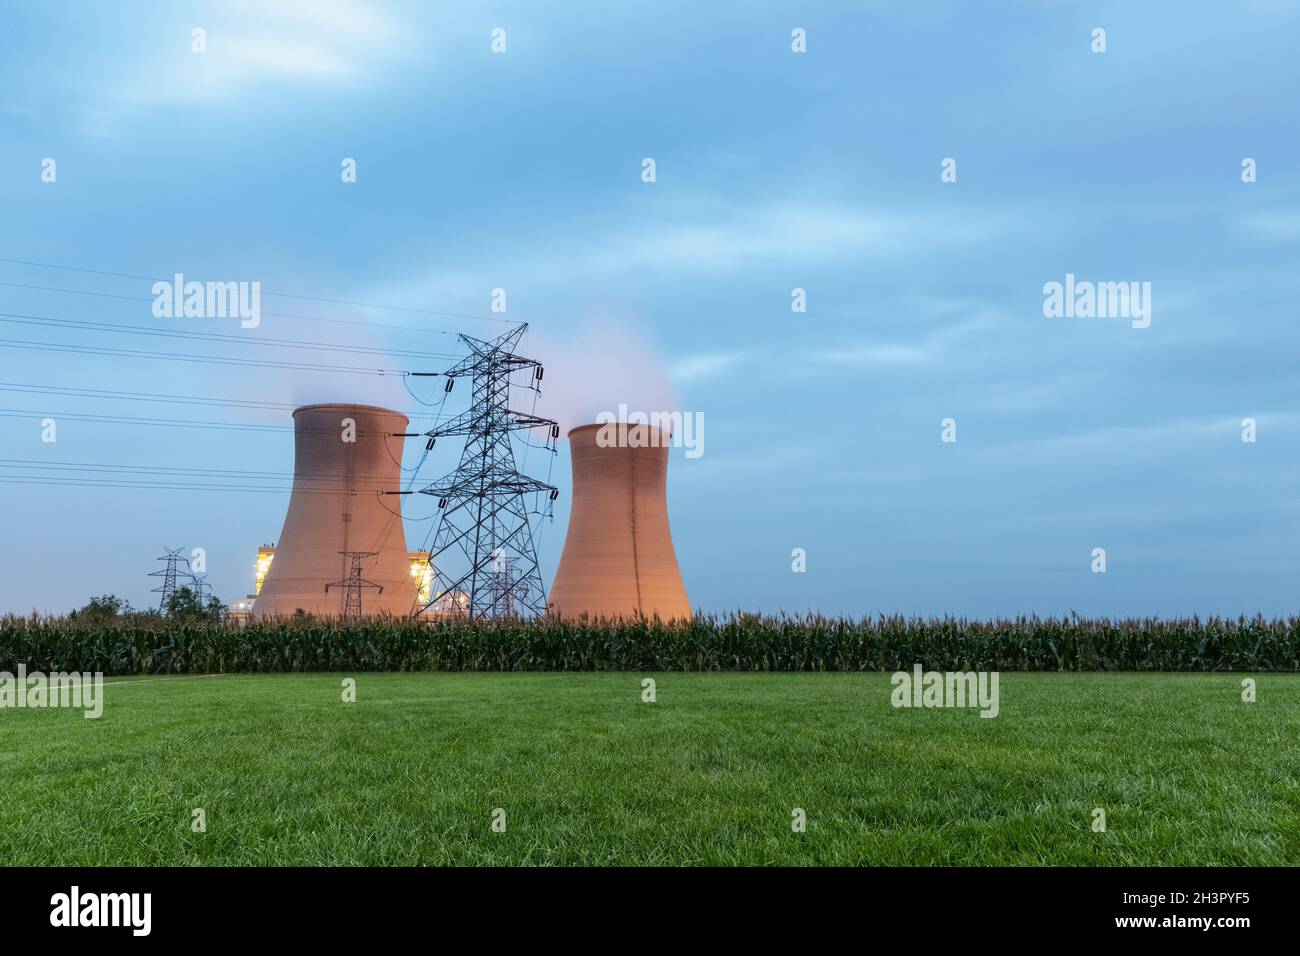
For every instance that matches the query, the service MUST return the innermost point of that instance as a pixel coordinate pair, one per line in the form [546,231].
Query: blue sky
[775,170]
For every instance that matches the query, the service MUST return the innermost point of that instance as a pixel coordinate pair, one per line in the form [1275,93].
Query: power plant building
[618,558]
[422,573]
[342,551]
[339,520]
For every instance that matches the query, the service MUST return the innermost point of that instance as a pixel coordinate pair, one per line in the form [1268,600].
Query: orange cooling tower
[618,558]
[334,508]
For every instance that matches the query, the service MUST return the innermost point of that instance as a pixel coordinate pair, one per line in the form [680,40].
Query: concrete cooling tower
[334,508]
[618,558]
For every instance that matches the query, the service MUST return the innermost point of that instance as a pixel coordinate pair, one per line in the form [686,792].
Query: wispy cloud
[699,238]
[1278,224]
[249,47]
[936,344]
[1161,435]
[695,368]
[875,354]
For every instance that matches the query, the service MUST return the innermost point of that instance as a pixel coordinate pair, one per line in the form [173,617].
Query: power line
[14,318]
[152,422]
[86,482]
[286,295]
[163,398]
[280,315]
[189,357]
[37,464]
[29,413]
[158,397]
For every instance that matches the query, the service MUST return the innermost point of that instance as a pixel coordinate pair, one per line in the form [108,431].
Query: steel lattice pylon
[353,584]
[483,514]
[169,574]
[201,589]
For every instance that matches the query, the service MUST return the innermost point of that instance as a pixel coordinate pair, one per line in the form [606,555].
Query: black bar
[994,905]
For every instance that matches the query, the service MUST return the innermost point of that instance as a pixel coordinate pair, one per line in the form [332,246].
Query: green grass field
[587,773]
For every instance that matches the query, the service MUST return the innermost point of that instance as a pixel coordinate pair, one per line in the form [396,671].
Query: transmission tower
[201,588]
[353,584]
[483,513]
[169,573]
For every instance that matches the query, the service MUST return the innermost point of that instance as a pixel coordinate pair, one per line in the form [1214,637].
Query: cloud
[878,354]
[1026,396]
[1281,225]
[696,236]
[1158,437]
[700,237]
[739,236]
[726,460]
[695,368]
[249,56]
[249,46]
[934,345]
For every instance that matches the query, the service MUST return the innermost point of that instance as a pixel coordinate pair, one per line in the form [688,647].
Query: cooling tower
[618,558]
[334,508]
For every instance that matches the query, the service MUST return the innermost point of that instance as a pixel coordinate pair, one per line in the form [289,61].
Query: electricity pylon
[353,584]
[483,512]
[169,574]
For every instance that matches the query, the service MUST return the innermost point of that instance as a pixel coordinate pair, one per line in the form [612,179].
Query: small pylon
[168,574]
[353,584]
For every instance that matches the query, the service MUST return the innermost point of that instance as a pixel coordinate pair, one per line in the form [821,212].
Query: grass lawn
[287,773]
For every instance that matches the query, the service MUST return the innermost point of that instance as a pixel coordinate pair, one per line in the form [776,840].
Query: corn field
[740,642]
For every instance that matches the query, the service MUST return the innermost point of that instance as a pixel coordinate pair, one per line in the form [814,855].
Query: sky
[775,170]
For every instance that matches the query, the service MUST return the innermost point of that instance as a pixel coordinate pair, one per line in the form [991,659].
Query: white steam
[602,365]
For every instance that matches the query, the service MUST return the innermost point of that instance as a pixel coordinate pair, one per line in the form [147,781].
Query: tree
[216,610]
[102,608]
[184,606]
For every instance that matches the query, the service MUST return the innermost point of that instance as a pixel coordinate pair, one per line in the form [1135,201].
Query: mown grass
[587,773]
